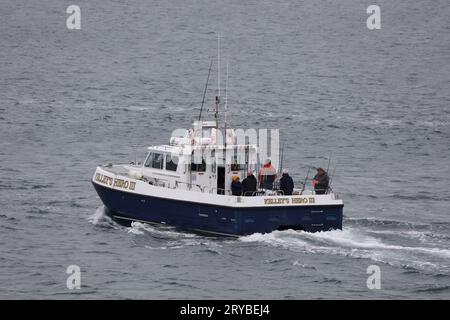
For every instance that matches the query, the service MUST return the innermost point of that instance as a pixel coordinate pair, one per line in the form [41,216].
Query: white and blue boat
[187,184]
[169,188]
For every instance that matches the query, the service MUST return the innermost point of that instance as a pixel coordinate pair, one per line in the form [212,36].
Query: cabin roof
[178,148]
[164,148]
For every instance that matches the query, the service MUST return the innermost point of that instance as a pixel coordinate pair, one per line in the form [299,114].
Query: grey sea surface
[378,100]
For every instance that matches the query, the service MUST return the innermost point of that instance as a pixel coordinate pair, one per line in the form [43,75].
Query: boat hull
[216,219]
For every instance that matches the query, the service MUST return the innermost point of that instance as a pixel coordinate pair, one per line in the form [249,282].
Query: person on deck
[267,175]
[236,186]
[286,183]
[321,181]
[249,184]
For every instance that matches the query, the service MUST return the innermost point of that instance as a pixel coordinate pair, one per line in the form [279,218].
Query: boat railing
[219,191]
[190,185]
[263,192]
[254,193]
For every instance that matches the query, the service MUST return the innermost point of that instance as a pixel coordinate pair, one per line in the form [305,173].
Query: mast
[218,64]
[204,92]
[216,115]
[226,104]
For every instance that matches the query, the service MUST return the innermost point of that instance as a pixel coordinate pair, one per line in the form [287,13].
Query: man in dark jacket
[249,184]
[321,181]
[236,186]
[286,183]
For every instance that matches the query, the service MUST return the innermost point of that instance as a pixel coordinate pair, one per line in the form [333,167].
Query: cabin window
[195,159]
[155,160]
[171,162]
[235,165]
[148,161]
[198,167]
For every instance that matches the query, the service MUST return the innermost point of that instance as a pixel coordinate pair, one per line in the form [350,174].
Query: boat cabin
[200,160]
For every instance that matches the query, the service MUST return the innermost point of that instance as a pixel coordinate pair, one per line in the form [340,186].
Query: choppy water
[379,100]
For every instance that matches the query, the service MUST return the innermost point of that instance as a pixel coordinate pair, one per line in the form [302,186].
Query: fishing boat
[187,184]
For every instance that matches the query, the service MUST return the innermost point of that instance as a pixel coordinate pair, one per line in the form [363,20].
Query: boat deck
[124,170]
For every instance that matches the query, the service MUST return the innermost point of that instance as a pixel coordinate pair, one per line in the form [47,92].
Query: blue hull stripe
[220,220]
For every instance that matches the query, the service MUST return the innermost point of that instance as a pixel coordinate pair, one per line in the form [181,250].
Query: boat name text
[299,200]
[118,183]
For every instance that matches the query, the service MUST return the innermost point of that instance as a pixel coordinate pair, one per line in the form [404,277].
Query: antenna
[226,104]
[218,64]
[226,96]
[216,114]
[204,92]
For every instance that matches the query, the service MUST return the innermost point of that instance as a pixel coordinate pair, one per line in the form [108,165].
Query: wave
[164,232]
[357,244]
[136,228]
[4,216]
[375,222]
[434,289]
[165,237]
[425,237]
[158,237]
[348,238]
[101,219]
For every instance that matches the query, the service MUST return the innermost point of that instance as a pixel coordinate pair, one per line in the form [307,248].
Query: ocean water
[378,100]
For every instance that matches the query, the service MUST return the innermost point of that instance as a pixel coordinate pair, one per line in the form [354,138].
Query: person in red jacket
[267,175]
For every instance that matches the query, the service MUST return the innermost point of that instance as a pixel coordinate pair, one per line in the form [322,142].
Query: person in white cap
[286,183]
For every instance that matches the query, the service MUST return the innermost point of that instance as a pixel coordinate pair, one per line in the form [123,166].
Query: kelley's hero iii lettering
[287,201]
[104,179]
[118,183]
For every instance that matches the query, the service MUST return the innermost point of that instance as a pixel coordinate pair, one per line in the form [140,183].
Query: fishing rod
[280,164]
[329,161]
[204,92]
[306,179]
[332,176]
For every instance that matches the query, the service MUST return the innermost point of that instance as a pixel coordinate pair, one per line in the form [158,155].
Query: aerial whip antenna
[216,115]
[226,105]
[218,64]
[204,92]
[226,98]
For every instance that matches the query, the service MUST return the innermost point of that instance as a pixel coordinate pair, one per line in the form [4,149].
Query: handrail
[219,189]
[325,191]
[190,185]
[215,190]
